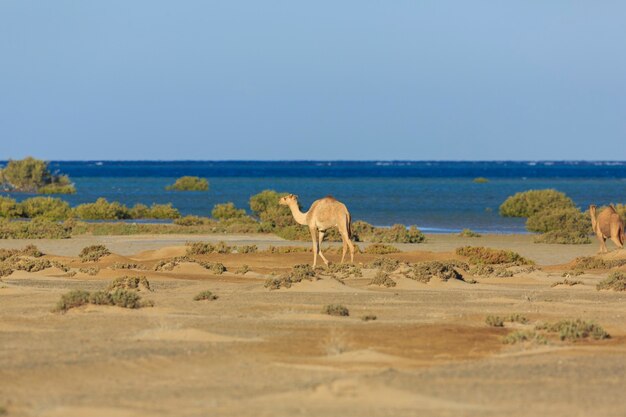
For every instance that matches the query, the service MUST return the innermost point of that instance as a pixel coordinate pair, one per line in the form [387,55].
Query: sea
[436,196]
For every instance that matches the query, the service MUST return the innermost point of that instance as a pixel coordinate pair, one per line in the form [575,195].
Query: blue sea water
[435,196]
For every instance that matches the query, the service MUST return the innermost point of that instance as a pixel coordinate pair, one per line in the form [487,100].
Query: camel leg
[615,235]
[602,243]
[315,245]
[344,249]
[319,246]
[346,241]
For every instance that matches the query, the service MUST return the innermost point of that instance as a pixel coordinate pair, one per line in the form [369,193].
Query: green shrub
[480,180]
[397,233]
[469,233]
[101,298]
[527,203]
[29,175]
[266,208]
[57,189]
[482,255]
[335,310]
[102,210]
[188,183]
[616,281]
[381,249]
[75,298]
[46,208]
[227,211]
[382,278]
[140,211]
[163,211]
[9,208]
[93,253]
[205,295]
[247,249]
[562,237]
[34,229]
[573,330]
[362,231]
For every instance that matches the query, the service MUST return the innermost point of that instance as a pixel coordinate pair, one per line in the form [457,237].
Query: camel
[608,224]
[323,214]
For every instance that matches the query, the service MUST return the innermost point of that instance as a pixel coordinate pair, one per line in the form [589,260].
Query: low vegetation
[189,183]
[616,281]
[520,336]
[130,283]
[489,256]
[425,271]
[381,249]
[35,229]
[497,321]
[33,176]
[297,274]
[92,270]
[369,317]
[335,310]
[573,330]
[242,270]
[205,295]
[527,203]
[480,180]
[93,253]
[469,233]
[382,279]
[384,264]
[227,211]
[590,262]
[568,282]
[215,267]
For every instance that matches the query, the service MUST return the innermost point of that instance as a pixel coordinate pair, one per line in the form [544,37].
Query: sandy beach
[260,352]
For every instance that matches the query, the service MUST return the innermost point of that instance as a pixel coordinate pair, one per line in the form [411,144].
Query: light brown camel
[608,224]
[323,214]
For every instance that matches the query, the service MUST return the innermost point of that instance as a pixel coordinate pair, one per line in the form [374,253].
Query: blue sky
[476,80]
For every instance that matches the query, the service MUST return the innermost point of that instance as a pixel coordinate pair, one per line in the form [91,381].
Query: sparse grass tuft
[424,271]
[215,267]
[590,262]
[369,317]
[126,265]
[382,278]
[616,281]
[92,270]
[93,253]
[297,274]
[335,310]
[242,270]
[205,295]
[386,264]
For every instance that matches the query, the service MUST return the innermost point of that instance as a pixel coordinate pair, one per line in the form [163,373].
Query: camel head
[288,200]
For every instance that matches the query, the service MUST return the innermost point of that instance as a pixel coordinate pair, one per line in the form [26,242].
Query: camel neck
[299,216]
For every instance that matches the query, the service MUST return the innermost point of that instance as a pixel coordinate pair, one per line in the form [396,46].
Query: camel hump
[330,197]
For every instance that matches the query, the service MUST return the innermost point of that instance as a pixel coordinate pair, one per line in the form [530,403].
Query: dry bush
[482,255]
[381,249]
[574,330]
[205,295]
[382,279]
[130,283]
[385,264]
[335,310]
[397,233]
[369,317]
[494,321]
[242,270]
[215,267]
[469,233]
[567,282]
[75,298]
[297,274]
[590,262]
[520,336]
[92,270]
[247,249]
[288,249]
[424,271]
[126,265]
[616,281]
[205,248]
[93,253]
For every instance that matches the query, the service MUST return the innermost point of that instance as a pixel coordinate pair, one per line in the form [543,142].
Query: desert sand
[256,352]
